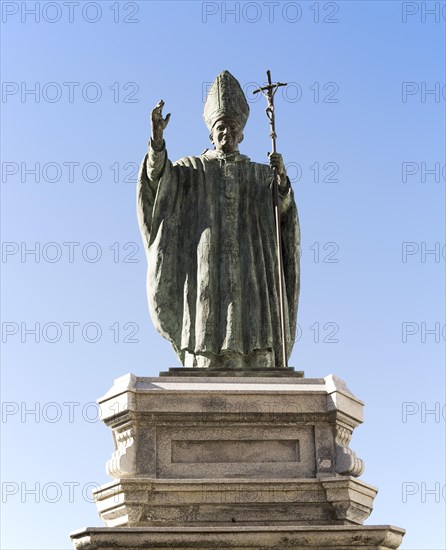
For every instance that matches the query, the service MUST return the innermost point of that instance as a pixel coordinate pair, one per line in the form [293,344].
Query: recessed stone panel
[216,451]
[212,452]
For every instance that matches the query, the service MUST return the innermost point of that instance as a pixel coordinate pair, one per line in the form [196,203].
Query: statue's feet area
[273,372]
[260,363]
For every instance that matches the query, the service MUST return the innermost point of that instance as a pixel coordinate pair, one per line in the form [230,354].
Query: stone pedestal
[381,537]
[232,462]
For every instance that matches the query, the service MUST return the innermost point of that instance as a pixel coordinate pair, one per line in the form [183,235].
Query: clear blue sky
[362,129]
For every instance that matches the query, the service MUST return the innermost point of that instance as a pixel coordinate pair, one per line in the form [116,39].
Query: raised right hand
[158,122]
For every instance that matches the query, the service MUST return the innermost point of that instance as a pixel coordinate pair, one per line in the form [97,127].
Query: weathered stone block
[328,501]
[380,537]
[208,428]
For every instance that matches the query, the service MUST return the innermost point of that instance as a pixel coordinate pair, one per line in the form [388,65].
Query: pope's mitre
[225,99]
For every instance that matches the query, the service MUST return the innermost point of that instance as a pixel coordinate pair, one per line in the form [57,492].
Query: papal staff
[269,92]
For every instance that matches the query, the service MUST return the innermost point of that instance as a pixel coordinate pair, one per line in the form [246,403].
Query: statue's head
[226,112]
[226,134]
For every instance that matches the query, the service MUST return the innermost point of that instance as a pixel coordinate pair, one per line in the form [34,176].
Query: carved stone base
[231,428]
[380,537]
[326,501]
[233,462]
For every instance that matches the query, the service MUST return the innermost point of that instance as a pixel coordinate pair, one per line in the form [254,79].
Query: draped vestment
[208,229]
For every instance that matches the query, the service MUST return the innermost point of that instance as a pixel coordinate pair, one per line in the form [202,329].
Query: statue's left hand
[276,161]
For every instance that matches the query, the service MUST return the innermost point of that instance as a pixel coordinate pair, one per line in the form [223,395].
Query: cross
[269,92]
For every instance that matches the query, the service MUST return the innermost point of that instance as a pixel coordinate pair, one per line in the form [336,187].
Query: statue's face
[226,135]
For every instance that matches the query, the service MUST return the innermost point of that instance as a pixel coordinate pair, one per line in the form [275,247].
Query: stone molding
[379,537]
[144,502]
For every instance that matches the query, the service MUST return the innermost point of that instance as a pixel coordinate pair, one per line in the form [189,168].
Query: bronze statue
[208,228]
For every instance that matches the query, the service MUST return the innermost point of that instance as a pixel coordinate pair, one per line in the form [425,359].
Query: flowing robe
[208,228]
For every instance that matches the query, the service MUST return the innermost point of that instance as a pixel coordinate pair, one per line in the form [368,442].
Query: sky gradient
[361,128]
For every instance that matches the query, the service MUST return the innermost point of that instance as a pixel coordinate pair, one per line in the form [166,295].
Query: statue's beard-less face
[226,135]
